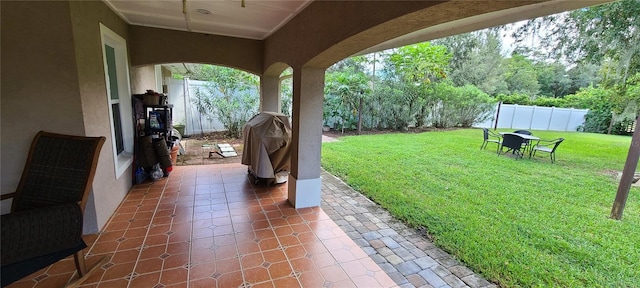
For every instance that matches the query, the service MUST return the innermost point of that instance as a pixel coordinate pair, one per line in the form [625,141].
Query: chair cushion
[35,232]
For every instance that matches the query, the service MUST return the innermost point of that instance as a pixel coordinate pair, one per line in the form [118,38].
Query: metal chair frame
[487,138]
[548,146]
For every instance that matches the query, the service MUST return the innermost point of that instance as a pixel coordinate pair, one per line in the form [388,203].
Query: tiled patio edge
[407,257]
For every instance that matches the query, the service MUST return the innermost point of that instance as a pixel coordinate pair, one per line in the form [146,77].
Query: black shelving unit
[158,121]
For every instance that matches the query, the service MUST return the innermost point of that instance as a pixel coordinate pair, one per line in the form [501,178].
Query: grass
[524,222]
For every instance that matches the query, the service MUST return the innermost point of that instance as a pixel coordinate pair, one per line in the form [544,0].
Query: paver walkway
[407,257]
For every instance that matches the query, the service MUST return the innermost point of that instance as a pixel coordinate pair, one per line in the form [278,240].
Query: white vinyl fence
[185,112]
[535,118]
[507,115]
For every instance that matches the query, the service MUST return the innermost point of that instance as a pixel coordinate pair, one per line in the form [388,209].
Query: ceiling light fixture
[203,11]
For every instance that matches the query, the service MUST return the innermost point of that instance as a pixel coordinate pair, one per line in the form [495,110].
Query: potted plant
[180,128]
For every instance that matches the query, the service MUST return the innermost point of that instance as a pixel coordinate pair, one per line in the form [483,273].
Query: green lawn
[523,222]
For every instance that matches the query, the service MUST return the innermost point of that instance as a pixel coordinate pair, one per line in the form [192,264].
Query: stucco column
[269,93]
[308,96]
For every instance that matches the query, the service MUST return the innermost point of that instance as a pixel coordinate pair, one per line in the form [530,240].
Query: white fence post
[569,119]
[513,116]
[551,117]
[533,113]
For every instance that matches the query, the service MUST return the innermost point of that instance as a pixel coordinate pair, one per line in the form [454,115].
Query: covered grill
[267,137]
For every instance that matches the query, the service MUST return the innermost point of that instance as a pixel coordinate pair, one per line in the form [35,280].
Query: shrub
[460,106]
[596,100]
[387,108]
[519,99]
[473,106]
[549,102]
[235,111]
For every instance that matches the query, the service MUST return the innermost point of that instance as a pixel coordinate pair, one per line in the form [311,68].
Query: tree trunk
[627,175]
[613,114]
[360,116]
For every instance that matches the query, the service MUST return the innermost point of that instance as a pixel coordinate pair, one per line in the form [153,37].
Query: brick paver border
[409,258]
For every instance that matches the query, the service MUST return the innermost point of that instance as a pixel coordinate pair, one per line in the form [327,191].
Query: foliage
[201,103]
[476,60]
[416,67]
[589,98]
[408,93]
[420,63]
[553,79]
[521,76]
[519,99]
[549,102]
[234,111]
[336,113]
[473,105]
[387,107]
[623,127]
[626,94]
[547,227]
[231,96]
[583,75]
[443,113]
[459,106]
[607,35]
[594,33]
[286,97]
[598,118]
[346,88]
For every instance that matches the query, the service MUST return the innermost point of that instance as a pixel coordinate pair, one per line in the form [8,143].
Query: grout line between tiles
[244,279]
[193,217]
[166,182]
[293,271]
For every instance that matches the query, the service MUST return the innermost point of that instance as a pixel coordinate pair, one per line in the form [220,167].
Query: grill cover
[267,137]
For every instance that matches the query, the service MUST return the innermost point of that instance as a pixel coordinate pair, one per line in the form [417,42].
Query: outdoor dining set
[520,143]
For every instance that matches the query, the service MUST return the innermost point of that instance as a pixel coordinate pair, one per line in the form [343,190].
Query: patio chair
[45,223]
[526,132]
[513,144]
[525,143]
[548,146]
[488,135]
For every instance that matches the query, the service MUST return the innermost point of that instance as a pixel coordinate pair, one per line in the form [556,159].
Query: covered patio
[209,226]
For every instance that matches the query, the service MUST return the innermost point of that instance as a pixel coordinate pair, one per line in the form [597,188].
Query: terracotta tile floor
[209,226]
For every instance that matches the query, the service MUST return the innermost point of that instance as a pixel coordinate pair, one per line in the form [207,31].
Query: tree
[521,76]
[608,32]
[583,75]
[553,79]
[476,60]
[231,96]
[351,87]
[417,66]
[420,63]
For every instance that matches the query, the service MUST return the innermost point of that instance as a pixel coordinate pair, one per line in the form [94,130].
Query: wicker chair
[548,146]
[513,143]
[45,223]
[488,136]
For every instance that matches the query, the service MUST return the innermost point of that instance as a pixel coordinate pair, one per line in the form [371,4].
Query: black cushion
[36,232]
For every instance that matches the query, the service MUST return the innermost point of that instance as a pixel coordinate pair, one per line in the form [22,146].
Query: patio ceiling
[257,20]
